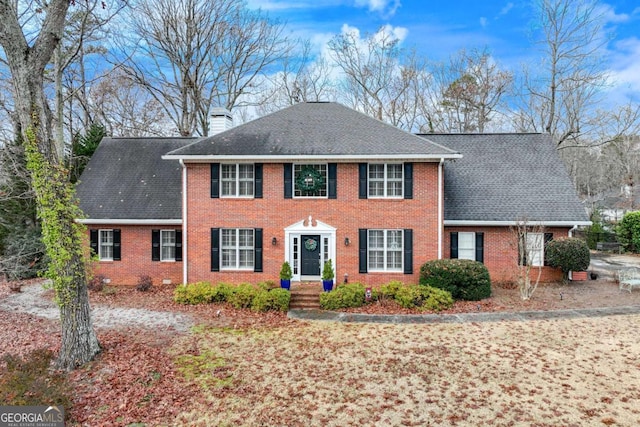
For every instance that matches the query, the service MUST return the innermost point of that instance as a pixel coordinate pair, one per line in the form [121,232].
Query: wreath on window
[310,180]
[311,244]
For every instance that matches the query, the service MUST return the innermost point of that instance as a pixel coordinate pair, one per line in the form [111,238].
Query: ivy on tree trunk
[63,238]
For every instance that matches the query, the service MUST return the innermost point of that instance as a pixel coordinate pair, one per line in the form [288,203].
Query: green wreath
[310,180]
[311,244]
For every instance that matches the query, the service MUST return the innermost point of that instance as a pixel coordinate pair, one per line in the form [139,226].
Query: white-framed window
[167,245]
[310,180]
[237,249]
[535,248]
[386,180]
[467,246]
[237,180]
[385,250]
[105,245]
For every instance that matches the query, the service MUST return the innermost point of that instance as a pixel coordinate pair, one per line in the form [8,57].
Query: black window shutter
[522,249]
[117,249]
[480,247]
[215,180]
[547,238]
[453,245]
[155,245]
[333,177]
[93,238]
[362,181]
[215,249]
[288,180]
[408,180]
[178,245]
[362,244]
[257,176]
[257,250]
[408,251]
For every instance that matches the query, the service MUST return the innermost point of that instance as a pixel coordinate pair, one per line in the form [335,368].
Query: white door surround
[293,245]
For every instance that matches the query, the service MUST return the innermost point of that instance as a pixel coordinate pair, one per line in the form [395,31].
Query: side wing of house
[132,201]
[502,182]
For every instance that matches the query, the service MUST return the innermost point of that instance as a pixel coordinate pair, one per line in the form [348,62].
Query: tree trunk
[79,342]
[57,207]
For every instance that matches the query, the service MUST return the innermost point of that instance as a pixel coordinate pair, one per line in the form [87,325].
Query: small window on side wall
[105,243]
[467,245]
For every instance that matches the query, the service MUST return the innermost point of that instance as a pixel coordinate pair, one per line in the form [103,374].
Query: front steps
[305,296]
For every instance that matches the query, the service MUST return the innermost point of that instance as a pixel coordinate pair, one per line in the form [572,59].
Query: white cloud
[506,9]
[625,68]
[483,22]
[385,7]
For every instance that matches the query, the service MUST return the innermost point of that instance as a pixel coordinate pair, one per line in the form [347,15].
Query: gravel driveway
[32,300]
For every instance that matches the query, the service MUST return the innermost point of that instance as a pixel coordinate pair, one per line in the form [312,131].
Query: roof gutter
[92,221]
[342,158]
[472,223]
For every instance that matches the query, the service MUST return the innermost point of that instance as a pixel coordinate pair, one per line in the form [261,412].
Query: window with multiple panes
[105,245]
[384,251]
[237,249]
[167,245]
[385,180]
[535,248]
[310,180]
[237,180]
[467,246]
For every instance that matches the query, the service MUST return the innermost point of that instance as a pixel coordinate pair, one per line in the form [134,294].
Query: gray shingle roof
[314,129]
[507,177]
[128,179]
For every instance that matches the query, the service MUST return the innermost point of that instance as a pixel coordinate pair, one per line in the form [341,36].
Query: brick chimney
[221,120]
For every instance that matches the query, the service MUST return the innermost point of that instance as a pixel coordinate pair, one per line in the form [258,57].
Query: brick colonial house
[319,181]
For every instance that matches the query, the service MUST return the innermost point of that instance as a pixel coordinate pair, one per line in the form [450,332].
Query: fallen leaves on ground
[271,370]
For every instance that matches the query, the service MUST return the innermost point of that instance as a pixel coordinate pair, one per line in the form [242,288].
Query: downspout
[574,228]
[440,206]
[184,224]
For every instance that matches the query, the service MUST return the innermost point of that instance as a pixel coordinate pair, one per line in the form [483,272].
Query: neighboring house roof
[507,177]
[127,179]
[324,130]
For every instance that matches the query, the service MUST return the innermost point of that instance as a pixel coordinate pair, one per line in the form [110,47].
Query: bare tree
[126,109]
[193,55]
[559,94]
[528,238]
[379,79]
[27,59]
[78,63]
[302,79]
[475,93]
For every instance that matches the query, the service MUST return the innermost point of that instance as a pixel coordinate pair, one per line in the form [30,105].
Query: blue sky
[440,28]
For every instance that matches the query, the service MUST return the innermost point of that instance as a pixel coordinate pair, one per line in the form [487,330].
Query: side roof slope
[314,129]
[127,179]
[507,177]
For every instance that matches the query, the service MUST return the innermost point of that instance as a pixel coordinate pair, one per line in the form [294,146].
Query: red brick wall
[501,252]
[347,214]
[136,258]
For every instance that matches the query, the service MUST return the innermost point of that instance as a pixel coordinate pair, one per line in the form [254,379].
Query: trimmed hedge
[275,299]
[417,296]
[463,279]
[344,296]
[568,254]
[260,297]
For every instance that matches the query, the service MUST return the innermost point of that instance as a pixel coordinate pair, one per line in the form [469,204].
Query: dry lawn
[572,372]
